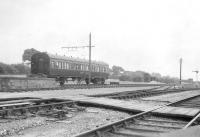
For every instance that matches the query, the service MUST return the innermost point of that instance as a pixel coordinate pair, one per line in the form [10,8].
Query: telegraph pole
[180,70]
[90,42]
[90,51]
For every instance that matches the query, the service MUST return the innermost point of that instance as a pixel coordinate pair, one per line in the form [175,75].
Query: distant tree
[28,54]
[157,75]
[1,70]
[21,68]
[147,77]
[117,70]
[7,69]
[124,78]
[14,69]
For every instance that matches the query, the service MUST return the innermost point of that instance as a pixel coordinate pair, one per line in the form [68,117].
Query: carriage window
[95,68]
[64,65]
[67,66]
[56,66]
[76,67]
[82,67]
[59,65]
[52,64]
[104,69]
[99,68]
[79,66]
[92,68]
[72,66]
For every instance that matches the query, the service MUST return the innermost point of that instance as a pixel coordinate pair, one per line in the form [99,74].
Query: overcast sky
[148,35]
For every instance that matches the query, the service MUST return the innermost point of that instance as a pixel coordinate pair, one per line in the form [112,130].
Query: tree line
[20,68]
[14,68]
[116,72]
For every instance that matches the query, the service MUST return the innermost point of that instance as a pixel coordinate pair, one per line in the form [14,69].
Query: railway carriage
[62,68]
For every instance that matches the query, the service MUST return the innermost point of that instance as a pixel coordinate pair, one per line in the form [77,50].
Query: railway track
[190,103]
[83,86]
[16,109]
[142,93]
[145,124]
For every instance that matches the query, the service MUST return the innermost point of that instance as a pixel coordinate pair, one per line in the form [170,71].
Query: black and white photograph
[99,68]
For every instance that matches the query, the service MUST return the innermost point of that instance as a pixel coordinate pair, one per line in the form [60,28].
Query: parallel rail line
[83,86]
[141,93]
[33,108]
[144,124]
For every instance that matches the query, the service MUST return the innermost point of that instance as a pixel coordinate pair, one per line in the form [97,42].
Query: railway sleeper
[49,109]
[127,133]
[60,114]
[162,124]
[159,126]
[166,121]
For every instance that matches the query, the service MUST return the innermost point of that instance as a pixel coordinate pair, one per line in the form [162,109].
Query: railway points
[145,124]
[142,93]
[133,106]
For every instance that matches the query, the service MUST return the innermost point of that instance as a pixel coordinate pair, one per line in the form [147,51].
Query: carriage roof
[75,59]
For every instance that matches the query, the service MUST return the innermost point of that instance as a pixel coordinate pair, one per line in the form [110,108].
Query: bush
[14,69]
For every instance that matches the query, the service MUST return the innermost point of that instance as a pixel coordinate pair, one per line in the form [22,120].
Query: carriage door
[41,66]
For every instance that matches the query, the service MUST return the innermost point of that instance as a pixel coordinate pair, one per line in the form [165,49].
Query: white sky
[148,35]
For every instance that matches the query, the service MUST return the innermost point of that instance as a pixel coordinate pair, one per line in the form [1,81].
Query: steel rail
[192,121]
[73,86]
[140,93]
[114,125]
[38,106]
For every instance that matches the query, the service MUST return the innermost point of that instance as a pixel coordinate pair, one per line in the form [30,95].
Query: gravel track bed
[77,123]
